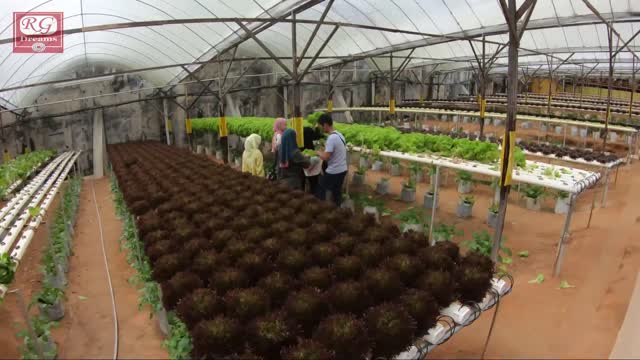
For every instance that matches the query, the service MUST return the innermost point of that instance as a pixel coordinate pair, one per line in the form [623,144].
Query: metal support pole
[564,136]
[563,239]
[593,205]
[436,184]
[609,88]
[165,113]
[606,189]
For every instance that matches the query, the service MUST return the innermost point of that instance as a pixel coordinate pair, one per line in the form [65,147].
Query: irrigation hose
[106,265]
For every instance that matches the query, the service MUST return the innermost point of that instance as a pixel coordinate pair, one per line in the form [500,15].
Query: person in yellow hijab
[252,161]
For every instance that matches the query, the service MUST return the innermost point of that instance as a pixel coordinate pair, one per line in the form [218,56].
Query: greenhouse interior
[319,179]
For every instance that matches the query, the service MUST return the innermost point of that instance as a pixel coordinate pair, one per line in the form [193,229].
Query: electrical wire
[106,265]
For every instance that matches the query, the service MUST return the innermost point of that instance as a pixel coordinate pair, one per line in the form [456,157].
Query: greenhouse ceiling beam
[315,31]
[474,34]
[315,57]
[626,44]
[403,64]
[610,26]
[266,49]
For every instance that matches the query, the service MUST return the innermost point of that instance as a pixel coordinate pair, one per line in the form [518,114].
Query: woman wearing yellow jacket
[252,161]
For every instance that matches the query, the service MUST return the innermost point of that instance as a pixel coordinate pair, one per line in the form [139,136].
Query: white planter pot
[533,204]
[574,131]
[408,195]
[364,163]
[219,155]
[464,210]
[382,187]
[613,137]
[199,149]
[412,227]
[358,179]
[464,187]
[497,122]
[377,165]
[238,161]
[416,177]
[428,201]
[348,204]
[559,130]
[562,206]
[525,125]
[492,219]
[583,133]
[543,127]
[396,170]
[370,210]
[207,151]
[596,135]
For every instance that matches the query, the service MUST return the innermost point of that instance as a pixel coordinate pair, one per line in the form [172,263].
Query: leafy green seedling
[34,211]
[82,298]
[564,284]
[538,280]
[523,254]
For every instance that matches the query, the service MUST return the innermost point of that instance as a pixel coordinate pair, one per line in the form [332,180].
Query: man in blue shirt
[335,154]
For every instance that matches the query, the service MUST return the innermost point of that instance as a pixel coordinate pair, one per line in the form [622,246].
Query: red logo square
[38,32]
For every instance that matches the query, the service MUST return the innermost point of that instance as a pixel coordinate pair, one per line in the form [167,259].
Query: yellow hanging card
[222,127]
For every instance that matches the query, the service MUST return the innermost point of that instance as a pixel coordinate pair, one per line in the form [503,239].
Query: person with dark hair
[291,162]
[335,154]
[311,135]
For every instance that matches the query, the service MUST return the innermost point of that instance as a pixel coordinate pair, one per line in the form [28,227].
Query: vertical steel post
[633,87]
[563,239]
[222,122]
[165,113]
[609,87]
[297,111]
[436,184]
[510,126]
[392,95]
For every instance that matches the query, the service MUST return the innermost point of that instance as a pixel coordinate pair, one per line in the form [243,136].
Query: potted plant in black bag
[382,187]
[377,159]
[465,180]
[51,303]
[430,200]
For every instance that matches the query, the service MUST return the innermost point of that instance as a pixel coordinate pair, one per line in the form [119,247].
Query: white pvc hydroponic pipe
[28,190]
[54,184]
[22,219]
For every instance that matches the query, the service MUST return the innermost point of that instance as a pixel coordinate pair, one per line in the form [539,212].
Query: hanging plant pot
[559,130]
[464,210]
[596,135]
[382,187]
[358,179]
[372,210]
[219,155]
[419,228]
[574,131]
[492,219]
[429,200]
[377,165]
[396,170]
[408,194]
[533,203]
[464,187]
[497,122]
[364,162]
[238,161]
[199,149]
[525,125]
[613,137]
[53,312]
[543,127]
[562,206]
[207,151]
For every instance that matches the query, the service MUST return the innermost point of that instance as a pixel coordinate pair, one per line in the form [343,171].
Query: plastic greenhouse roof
[560,27]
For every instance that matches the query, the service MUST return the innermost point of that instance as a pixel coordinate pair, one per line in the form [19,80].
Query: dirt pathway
[87,331]
[540,320]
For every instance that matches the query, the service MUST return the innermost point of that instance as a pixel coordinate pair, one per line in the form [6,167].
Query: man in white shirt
[335,154]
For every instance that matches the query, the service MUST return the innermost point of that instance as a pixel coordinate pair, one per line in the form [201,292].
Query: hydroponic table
[573,181]
[456,317]
[630,131]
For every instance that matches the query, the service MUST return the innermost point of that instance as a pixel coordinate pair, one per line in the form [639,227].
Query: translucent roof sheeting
[560,27]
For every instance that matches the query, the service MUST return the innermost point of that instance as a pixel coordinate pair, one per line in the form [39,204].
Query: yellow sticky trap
[330,106]
[392,106]
[222,127]
[509,170]
[169,126]
[297,126]
[483,106]
[188,126]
